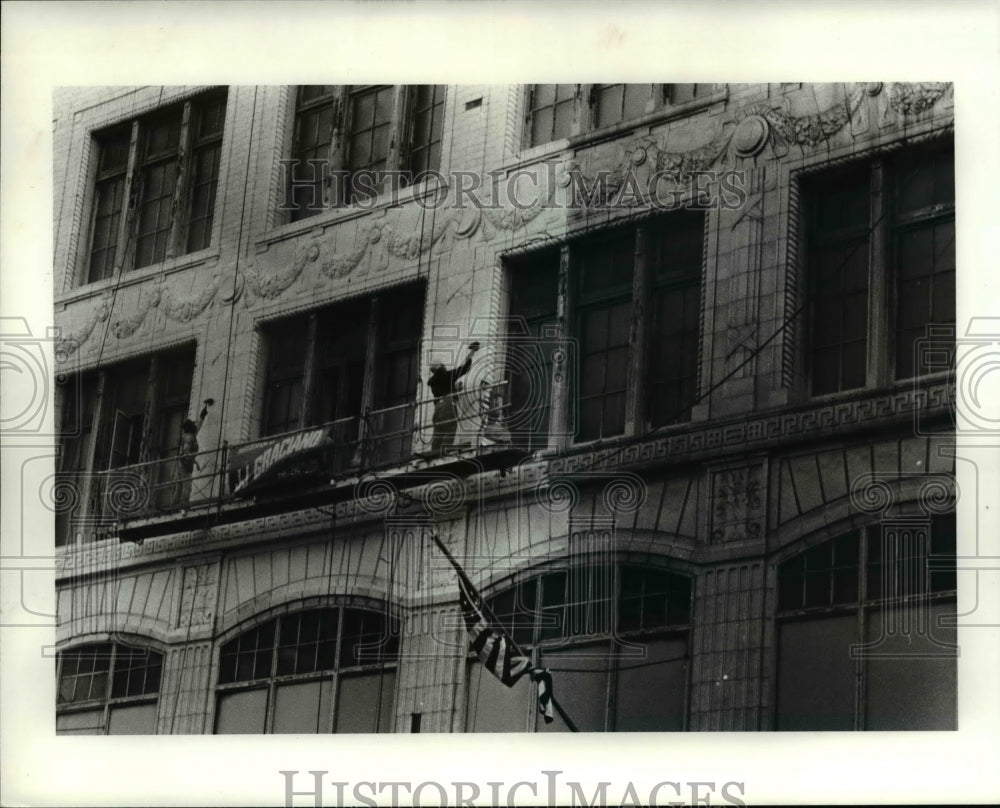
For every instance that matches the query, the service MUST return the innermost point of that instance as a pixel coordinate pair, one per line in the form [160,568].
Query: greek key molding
[835,418]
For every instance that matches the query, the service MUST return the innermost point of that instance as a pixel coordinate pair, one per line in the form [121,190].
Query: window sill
[851,607]
[619,441]
[137,276]
[655,118]
[316,225]
[926,380]
[534,154]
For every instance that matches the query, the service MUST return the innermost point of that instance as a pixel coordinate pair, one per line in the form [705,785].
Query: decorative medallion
[750,136]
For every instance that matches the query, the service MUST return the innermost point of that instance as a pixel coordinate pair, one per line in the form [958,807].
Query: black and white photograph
[487,411]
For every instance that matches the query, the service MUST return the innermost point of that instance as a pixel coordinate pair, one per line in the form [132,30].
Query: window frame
[864,605]
[272,680]
[83,445]
[884,226]
[188,112]
[584,118]
[564,400]
[539,644]
[337,178]
[376,351]
[108,702]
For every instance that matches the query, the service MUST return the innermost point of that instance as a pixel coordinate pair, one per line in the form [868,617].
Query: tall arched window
[108,688]
[865,630]
[315,671]
[616,640]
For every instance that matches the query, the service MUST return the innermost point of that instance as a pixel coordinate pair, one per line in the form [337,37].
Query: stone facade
[760,470]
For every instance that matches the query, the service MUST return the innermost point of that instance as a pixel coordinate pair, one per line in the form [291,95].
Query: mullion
[430,109]
[933,278]
[210,145]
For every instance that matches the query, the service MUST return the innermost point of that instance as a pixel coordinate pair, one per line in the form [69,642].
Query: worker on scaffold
[444,386]
[187,454]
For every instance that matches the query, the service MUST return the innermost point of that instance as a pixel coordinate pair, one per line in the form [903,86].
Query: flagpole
[493,620]
[562,714]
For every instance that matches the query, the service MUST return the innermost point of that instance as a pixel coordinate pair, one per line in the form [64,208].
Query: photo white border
[50,44]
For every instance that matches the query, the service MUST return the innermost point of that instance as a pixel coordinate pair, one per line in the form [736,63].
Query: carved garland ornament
[745,136]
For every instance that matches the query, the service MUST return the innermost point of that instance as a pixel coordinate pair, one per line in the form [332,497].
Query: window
[354,363]
[347,138]
[612,635]
[135,409]
[675,306]
[167,164]
[863,634]
[107,689]
[631,333]
[323,670]
[531,344]
[603,314]
[880,253]
[556,111]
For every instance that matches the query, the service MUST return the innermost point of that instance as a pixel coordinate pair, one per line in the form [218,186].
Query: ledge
[136,277]
[574,143]
[930,401]
[316,225]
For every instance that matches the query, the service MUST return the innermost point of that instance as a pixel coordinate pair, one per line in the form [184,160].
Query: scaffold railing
[318,455]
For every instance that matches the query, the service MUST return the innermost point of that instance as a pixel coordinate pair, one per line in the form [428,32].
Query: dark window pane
[133,719]
[634,103]
[493,707]
[583,680]
[925,291]
[551,113]
[679,599]
[630,614]
[911,682]
[816,675]
[286,660]
[854,364]
[365,703]
[242,712]
[541,126]
[609,98]
[916,252]
[563,124]
[817,589]
[925,177]
[303,707]
[99,685]
[663,671]
[544,95]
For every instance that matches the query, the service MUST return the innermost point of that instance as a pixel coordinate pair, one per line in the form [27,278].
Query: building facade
[699,467]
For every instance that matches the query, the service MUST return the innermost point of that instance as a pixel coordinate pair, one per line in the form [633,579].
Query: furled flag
[495,648]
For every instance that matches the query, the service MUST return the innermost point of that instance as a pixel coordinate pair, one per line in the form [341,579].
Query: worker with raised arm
[443,384]
[187,455]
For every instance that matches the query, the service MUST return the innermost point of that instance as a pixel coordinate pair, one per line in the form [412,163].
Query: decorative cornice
[810,130]
[717,439]
[162,298]
[183,310]
[127,326]
[912,99]
[746,131]
[270,286]
[69,345]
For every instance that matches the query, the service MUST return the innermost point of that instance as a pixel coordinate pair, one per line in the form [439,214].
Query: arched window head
[109,688]
[865,633]
[615,638]
[319,670]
